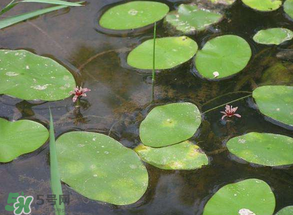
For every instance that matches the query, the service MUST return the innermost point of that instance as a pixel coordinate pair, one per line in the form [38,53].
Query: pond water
[120,100]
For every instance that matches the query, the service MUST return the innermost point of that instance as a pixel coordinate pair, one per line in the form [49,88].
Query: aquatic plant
[263,5]
[273,36]
[230,112]
[78,93]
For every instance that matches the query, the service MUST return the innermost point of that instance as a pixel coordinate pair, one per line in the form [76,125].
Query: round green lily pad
[170,52]
[169,124]
[182,156]
[288,8]
[275,102]
[286,211]
[263,5]
[20,137]
[224,55]
[263,148]
[224,2]
[27,76]
[189,18]
[251,195]
[273,36]
[133,14]
[100,168]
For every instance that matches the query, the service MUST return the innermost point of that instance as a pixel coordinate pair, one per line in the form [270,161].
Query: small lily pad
[288,8]
[273,36]
[170,52]
[286,211]
[20,137]
[27,76]
[100,168]
[275,102]
[251,195]
[224,2]
[182,156]
[133,14]
[169,124]
[226,55]
[263,148]
[263,5]
[189,18]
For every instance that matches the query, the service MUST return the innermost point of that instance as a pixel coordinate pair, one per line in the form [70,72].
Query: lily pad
[182,156]
[170,52]
[134,14]
[286,211]
[20,137]
[273,36]
[226,55]
[189,18]
[263,5]
[263,148]
[288,8]
[27,76]
[275,102]
[224,2]
[100,168]
[251,195]
[169,124]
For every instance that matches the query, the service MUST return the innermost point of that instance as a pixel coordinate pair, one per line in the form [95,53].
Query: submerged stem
[154,62]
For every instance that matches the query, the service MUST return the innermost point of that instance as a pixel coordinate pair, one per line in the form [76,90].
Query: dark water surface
[120,99]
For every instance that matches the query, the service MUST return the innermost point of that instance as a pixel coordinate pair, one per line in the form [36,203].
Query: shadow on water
[120,100]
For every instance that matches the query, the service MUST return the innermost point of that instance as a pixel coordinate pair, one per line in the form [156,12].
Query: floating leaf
[169,124]
[134,14]
[100,168]
[288,8]
[249,195]
[226,55]
[182,156]
[286,211]
[20,137]
[263,148]
[31,77]
[224,2]
[170,52]
[273,36]
[275,102]
[189,18]
[263,5]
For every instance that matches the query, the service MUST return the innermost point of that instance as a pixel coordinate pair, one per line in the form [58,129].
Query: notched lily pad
[170,52]
[27,76]
[286,211]
[224,55]
[251,195]
[273,36]
[20,137]
[263,5]
[169,124]
[133,15]
[182,156]
[288,8]
[263,148]
[275,102]
[100,168]
[189,18]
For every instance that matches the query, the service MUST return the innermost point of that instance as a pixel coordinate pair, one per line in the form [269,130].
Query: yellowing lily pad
[273,36]
[100,168]
[263,148]
[263,5]
[133,14]
[288,8]
[170,52]
[31,77]
[169,124]
[275,102]
[189,18]
[251,195]
[20,137]
[224,55]
[182,156]
[286,211]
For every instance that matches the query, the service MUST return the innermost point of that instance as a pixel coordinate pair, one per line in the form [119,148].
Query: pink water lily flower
[230,112]
[79,92]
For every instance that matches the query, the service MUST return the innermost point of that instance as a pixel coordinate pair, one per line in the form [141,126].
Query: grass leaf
[56,2]
[8,7]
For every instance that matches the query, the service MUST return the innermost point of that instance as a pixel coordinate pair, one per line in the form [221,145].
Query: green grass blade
[154,62]
[56,2]
[55,176]
[8,7]
[16,19]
